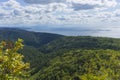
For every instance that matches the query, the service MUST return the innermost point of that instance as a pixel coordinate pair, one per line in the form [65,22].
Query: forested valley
[58,57]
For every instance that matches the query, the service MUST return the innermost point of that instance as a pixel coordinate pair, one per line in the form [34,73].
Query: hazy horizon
[66,17]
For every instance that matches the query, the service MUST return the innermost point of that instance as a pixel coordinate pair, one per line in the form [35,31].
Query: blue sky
[62,16]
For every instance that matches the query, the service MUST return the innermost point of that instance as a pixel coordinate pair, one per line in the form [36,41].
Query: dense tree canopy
[83,65]
[12,66]
[57,57]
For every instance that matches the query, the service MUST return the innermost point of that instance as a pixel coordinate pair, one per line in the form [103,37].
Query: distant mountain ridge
[32,41]
[30,38]
[51,52]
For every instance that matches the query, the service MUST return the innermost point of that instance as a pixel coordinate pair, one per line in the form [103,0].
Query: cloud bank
[59,12]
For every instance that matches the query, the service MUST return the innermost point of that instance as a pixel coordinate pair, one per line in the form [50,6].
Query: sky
[69,17]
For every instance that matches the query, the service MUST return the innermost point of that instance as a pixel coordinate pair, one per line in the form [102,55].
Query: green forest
[57,57]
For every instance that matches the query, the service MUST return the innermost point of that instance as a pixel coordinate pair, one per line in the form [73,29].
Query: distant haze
[68,17]
[103,32]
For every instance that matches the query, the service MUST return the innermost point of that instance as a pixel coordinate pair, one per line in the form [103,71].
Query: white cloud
[78,4]
[57,12]
[10,4]
[43,1]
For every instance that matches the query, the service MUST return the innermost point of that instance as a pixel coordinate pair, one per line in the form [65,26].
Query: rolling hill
[32,40]
[53,56]
[35,39]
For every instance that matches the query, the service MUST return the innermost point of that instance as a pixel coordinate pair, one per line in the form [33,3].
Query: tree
[82,65]
[12,66]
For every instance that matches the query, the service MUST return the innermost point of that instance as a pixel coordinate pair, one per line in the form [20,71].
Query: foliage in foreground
[83,65]
[11,65]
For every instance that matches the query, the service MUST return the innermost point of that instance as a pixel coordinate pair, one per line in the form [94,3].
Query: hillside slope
[82,65]
[81,42]
[35,39]
[32,40]
[48,53]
